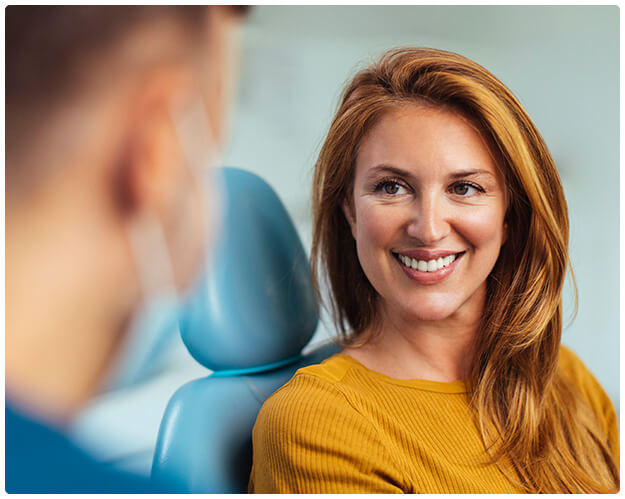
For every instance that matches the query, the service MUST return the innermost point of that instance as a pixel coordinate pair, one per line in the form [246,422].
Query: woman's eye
[389,187]
[465,189]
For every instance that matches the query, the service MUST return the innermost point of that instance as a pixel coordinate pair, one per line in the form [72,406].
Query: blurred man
[111,113]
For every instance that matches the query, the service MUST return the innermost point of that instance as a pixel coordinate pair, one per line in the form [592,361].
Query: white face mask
[154,324]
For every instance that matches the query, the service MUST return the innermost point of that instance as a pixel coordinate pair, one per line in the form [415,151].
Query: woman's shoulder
[332,370]
[309,436]
[591,390]
[314,398]
[310,386]
[315,395]
[576,371]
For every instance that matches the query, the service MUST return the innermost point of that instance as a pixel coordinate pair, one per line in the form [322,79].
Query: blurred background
[562,62]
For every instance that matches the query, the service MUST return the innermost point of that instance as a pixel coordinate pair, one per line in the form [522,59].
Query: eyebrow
[405,173]
[471,173]
[390,169]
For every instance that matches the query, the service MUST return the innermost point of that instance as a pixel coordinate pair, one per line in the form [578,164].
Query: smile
[433,265]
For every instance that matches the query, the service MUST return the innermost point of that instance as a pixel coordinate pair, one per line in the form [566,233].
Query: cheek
[483,229]
[376,226]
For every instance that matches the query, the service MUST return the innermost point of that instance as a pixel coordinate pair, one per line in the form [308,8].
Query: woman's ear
[348,211]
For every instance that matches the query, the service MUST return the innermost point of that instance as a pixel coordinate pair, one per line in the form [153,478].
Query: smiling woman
[441,224]
[427,204]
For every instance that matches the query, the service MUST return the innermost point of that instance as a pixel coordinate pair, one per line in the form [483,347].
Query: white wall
[562,63]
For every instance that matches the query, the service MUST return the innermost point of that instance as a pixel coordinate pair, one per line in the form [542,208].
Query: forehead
[424,139]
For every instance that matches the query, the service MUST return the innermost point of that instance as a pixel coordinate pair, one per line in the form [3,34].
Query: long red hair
[525,408]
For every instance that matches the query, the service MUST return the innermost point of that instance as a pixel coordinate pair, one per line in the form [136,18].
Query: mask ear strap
[151,255]
[194,130]
[156,314]
[200,147]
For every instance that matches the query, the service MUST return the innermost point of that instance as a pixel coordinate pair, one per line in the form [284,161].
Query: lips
[427,255]
[431,267]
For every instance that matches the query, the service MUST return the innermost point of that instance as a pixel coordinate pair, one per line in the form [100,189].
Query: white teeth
[426,265]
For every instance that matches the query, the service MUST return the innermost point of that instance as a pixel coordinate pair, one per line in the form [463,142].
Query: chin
[432,311]
[431,315]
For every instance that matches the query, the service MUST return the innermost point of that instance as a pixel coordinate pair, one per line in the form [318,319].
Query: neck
[409,348]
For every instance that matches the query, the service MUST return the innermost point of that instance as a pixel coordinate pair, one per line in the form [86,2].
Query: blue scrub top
[39,459]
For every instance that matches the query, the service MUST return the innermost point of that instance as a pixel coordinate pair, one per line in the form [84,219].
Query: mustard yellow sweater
[339,427]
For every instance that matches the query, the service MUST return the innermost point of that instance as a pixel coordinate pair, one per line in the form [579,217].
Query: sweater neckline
[458,386]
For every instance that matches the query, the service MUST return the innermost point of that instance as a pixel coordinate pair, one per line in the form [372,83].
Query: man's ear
[150,159]
[348,211]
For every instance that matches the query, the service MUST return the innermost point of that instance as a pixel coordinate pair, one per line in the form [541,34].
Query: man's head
[95,98]
[62,61]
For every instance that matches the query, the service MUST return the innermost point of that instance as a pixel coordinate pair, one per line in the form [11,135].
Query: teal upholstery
[247,319]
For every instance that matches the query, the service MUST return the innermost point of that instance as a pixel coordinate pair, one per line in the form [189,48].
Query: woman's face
[427,214]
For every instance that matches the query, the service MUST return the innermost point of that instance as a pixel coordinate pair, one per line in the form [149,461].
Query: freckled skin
[427,208]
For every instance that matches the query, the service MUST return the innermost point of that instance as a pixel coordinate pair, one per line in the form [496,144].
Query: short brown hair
[45,45]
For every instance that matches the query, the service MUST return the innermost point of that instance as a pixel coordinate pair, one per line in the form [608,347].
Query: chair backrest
[248,319]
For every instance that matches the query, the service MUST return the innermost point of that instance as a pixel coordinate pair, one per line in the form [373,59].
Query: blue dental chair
[248,319]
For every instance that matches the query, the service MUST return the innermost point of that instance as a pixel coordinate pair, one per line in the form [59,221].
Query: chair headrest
[255,304]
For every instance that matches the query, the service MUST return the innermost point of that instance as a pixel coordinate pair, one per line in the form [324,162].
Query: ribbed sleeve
[595,395]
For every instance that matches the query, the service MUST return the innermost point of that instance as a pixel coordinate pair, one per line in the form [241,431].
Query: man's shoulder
[40,459]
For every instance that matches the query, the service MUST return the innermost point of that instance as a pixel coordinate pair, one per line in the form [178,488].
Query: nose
[429,222]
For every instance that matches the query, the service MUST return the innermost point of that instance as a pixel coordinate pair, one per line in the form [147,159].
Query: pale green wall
[562,62]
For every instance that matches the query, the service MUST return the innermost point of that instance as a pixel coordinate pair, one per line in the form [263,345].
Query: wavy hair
[525,408]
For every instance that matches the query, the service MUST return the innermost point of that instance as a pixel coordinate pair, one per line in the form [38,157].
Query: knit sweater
[340,427]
